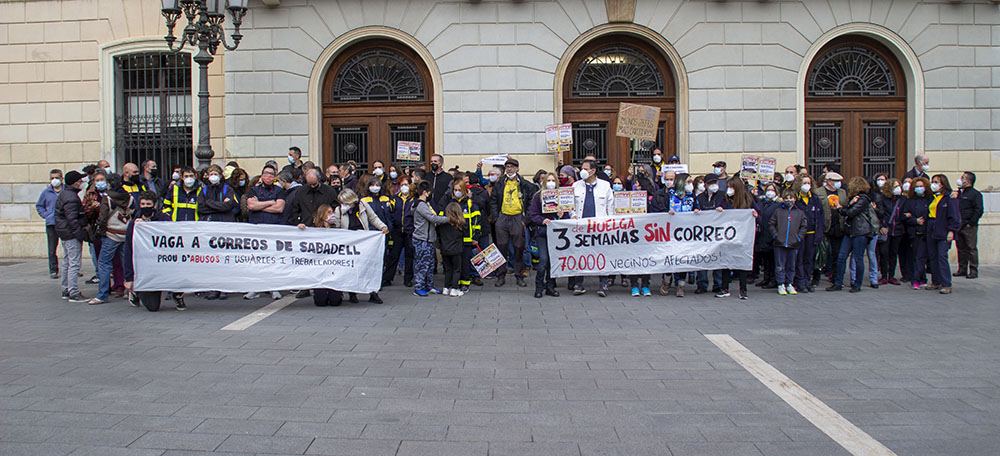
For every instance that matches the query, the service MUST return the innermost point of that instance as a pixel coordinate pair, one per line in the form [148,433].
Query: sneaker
[578,290]
[781,290]
[302,294]
[552,292]
[463,289]
[433,290]
[791,290]
[94,280]
[250,295]
[454,293]
[945,290]
[722,293]
[445,291]
[78,298]
[680,292]
[65,294]
[743,295]
[538,294]
[180,303]
[420,293]
[374,297]
[96,301]
[520,281]
[635,292]
[53,275]
[834,288]
[915,285]
[603,291]
[275,295]
[646,291]
[133,300]
[932,286]
[664,289]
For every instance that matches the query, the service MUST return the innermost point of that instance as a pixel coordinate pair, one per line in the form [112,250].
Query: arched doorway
[603,73]
[855,109]
[375,93]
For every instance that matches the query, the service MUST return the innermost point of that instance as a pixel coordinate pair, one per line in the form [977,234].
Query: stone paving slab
[495,372]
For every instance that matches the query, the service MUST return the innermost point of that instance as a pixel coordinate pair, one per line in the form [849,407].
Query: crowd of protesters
[808,227]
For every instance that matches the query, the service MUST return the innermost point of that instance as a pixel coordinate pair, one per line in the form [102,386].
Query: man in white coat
[593,197]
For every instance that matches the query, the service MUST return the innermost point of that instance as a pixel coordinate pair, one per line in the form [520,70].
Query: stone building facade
[476,78]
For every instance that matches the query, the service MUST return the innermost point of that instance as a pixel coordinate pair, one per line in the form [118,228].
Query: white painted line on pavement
[260,314]
[849,436]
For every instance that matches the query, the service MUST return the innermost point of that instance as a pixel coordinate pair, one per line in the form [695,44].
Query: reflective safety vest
[472,215]
[183,205]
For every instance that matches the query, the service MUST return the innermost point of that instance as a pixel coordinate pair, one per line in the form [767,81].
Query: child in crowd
[450,241]
[424,236]
[788,228]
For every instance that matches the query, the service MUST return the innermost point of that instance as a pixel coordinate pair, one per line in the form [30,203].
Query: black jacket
[787,226]
[857,216]
[718,199]
[212,204]
[917,208]
[527,190]
[970,204]
[481,198]
[69,215]
[450,238]
[307,200]
[441,184]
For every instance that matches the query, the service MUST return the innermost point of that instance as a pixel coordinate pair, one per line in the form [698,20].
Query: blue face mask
[918,190]
[617,187]
[101,186]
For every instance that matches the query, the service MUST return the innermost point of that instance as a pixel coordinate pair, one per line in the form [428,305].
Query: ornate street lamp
[205,30]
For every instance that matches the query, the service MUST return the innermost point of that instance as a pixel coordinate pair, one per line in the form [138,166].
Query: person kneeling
[147,213]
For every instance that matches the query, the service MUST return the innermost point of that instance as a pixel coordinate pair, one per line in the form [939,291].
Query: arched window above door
[618,71]
[851,70]
[378,74]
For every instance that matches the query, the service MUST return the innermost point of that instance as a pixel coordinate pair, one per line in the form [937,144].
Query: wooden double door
[365,139]
[861,142]
[594,134]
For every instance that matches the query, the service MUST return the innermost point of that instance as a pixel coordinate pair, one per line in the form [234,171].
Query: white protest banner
[678,168]
[241,257]
[495,160]
[652,243]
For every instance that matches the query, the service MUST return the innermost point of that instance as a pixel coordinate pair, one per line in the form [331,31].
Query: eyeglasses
[267,173]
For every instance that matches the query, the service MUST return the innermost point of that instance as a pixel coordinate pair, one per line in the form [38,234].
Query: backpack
[874,222]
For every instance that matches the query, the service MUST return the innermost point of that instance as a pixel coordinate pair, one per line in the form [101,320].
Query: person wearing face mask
[859,228]
[294,159]
[132,181]
[115,213]
[791,172]
[239,180]
[481,198]
[677,195]
[719,170]
[180,204]
[944,219]
[400,212]
[921,164]
[763,245]
[787,226]
[151,179]
[440,180]
[309,198]
[812,208]
[146,213]
[265,204]
[970,203]
[640,282]
[392,178]
[378,170]
[217,203]
[714,198]
[424,237]
[509,203]
[592,197]
[45,207]
[376,194]
[545,285]
[69,226]
[833,222]
[915,211]
[894,232]
[356,215]
[92,199]
[471,232]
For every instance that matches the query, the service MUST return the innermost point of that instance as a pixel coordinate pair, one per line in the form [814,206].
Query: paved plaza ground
[495,372]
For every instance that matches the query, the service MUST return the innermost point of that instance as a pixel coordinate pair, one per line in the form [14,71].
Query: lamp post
[204,29]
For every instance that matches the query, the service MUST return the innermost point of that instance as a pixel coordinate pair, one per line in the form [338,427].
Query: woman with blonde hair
[859,232]
[356,215]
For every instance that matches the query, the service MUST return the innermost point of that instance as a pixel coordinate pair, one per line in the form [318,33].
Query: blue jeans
[872,263]
[851,246]
[109,249]
[784,265]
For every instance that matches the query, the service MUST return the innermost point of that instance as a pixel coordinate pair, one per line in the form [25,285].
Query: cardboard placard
[487,260]
[637,121]
[555,200]
[558,137]
[750,168]
[630,202]
[408,150]
[765,171]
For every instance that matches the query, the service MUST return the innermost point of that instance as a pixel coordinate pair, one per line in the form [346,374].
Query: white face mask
[550,185]
[959,183]
[836,185]
[374,189]
[214,179]
[880,183]
[85,179]
[393,174]
[730,191]
[107,169]
[906,186]
[607,172]
[345,208]
[935,187]
[770,194]
[805,188]
[718,171]
[189,182]
[56,182]
[175,176]
[789,177]
[713,188]
[701,187]
[669,183]
[404,189]
[494,178]
[458,194]
[925,167]
[689,188]
[510,175]
[378,171]
[657,158]
[897,191]
[584,174]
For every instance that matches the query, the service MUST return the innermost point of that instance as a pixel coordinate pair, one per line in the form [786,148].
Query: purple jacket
[537,217]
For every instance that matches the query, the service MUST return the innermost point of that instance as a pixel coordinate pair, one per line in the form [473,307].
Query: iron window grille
[851,71]
[618,71]
[378,75]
